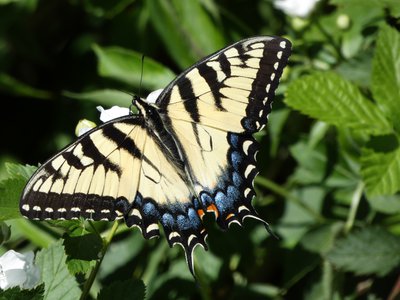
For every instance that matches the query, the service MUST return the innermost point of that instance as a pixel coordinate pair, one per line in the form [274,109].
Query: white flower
[17,269]
[296,8]
[152,97]
[84,126]
[343,21]
[117,111]
[112,113]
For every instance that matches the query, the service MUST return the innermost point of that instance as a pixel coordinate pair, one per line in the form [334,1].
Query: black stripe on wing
[46,205]
[272,63]
[122,140]
[185,88]
[217,68]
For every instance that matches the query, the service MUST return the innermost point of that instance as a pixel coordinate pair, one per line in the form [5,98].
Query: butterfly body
[190,152]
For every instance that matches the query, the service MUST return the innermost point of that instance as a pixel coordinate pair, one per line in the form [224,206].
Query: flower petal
[112,113]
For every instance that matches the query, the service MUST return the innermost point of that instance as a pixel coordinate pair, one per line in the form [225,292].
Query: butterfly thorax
[145,109]
[157,128]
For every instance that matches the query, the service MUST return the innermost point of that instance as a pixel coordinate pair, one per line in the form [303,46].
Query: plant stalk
[282,192]
[95,270]
[355,202]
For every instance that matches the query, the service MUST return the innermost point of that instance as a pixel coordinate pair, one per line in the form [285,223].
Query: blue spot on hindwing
[206,199]
[222,202]
[167,220]
[249,124]
[194,218]
[196,204]
[139,199]
[150,210]
[233,194]
[236,159]
[183,222]
[234,140]
[237,179]
[223,180]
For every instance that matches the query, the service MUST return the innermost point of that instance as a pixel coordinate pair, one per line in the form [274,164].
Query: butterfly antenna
[141,77]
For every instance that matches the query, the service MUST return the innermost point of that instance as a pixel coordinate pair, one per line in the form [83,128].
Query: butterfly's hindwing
[223,171]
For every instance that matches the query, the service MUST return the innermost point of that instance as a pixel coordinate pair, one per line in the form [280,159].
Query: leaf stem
[93,273]
[355,202]
[300,275]
[284,193]
[329,38]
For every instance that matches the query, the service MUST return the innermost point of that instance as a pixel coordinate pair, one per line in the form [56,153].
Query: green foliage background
[329,162]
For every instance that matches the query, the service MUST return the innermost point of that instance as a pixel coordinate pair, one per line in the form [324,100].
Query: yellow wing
[213,109]
[118,170]
[191,152]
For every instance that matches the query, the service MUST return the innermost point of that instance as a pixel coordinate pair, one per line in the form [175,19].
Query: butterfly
[189,152]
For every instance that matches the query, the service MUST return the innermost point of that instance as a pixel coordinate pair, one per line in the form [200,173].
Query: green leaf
[23,228]
[367,251]
[208,259]
[59,283]
[296,220]
[323,287]
[276,121]
[85,247]
[266,290]
[103,97]
[381,171]
[16,293]
[11,189]
[186,29]
[5,233]
[315,166]
[393,6]
[16,87]
[321,239]
[15,170]
[120,252]
[126,66]
[106,9]
[311,161]
[123,290]
[329,98]
[72,227]
[79,266]
[10,193]
[357,69]
[386,74]
[385,204]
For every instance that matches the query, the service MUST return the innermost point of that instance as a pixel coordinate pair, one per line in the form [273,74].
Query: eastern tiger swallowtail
[190,152]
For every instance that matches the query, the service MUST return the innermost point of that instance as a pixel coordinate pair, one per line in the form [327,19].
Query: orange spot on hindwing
[200,212]
[214,209]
